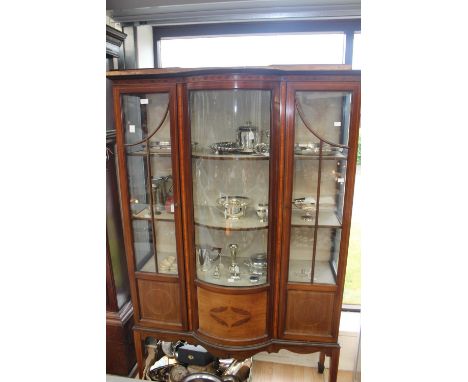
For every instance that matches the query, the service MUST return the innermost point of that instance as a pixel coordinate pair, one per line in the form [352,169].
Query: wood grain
[309,314]
[160,302]
[231,318]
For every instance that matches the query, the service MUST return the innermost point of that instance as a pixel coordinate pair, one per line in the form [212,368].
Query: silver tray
[314,149]
[221,148]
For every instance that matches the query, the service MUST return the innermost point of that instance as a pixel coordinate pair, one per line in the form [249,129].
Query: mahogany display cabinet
[236,187]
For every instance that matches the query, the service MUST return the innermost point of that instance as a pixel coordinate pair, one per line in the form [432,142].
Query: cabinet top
[268,70]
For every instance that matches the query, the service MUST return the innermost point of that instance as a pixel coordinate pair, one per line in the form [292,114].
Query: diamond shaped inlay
[230,316]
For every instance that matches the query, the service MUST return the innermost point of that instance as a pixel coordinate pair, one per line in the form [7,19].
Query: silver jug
[247,137]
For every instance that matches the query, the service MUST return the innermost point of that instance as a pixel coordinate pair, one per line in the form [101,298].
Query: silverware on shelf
[233,207]
[307,204]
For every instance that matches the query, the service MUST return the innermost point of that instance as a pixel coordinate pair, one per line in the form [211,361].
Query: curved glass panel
[149,169]
[230,169]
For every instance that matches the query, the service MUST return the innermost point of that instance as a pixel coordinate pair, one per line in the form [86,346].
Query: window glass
[253,50]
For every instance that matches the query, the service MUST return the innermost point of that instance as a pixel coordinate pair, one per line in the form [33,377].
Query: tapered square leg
[334,360]
[140,352]
[321,363]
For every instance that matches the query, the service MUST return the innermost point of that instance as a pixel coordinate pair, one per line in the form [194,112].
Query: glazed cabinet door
[232,129]
[321,140]
[149,179]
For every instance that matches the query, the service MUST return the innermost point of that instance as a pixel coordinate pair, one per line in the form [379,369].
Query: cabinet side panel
[160,303]
[239,317]
[309,313]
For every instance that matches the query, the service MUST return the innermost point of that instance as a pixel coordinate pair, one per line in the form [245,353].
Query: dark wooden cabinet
[120,350]
[236,189]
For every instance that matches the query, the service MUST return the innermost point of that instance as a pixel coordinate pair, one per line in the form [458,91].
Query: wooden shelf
[211,217]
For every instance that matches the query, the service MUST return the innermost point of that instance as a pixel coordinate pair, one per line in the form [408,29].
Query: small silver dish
[233,207]
[225,148]
[307,205]
[257,264]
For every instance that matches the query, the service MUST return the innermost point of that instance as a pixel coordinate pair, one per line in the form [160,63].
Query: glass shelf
[144,152]
[167,264]
[212,217]
[327,218]
[145,214]
[317,156]
[299,271]
[224,279]
[209,155]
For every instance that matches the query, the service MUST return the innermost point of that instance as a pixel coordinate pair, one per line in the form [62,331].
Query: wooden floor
[276,372]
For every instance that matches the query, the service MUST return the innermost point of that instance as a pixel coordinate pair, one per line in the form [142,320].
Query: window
[256,50]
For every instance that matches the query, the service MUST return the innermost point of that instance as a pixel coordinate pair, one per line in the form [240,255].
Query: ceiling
[176,12]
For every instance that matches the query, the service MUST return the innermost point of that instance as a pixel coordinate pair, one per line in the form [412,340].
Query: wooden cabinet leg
[321,363]
[140,353]
[334,360]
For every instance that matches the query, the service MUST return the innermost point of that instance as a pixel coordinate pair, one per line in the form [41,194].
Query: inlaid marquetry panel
[309,313]
[232,317]
[159,302]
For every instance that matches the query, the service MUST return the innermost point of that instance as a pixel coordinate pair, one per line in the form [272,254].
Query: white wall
[145,46]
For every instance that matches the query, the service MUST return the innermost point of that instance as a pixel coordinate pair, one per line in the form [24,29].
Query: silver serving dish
[233,207]
[314,149]
[308,205]
[225,148]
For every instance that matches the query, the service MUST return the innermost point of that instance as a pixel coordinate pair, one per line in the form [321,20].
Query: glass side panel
[230,168]
[320,157]
[149,169]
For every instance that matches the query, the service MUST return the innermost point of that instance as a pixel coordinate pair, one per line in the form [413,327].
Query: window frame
[346,26]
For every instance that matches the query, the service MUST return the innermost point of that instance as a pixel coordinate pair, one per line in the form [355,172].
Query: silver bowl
[233,207]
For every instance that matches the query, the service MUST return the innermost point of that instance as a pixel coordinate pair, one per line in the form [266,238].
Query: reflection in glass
[149,169]
[320,158]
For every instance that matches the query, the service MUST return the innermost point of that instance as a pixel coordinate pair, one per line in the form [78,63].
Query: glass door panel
[321,132]
[149,169]
[230,132]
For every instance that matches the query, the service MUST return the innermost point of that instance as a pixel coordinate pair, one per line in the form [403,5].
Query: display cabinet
[237,189]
